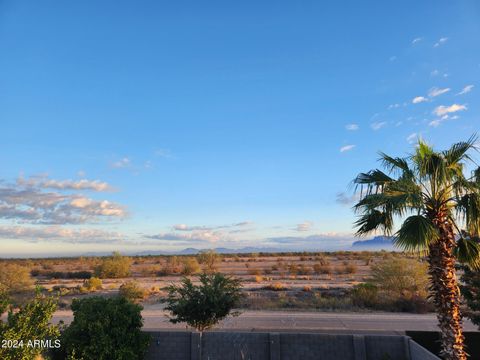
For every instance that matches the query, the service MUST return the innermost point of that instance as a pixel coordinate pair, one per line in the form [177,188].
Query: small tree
[209,260]
[29,323]
[204,305]
[15,278]
[115,266]
[104,329]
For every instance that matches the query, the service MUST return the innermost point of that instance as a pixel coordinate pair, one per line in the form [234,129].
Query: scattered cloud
[352,127]
[434,72]
[346,148]
[416,40]
[444,110]
[433,92]
[441,41]
[345,199]
[202,236]
[46,183]
[412,138]
[329,240]
[29,202]
[305,226]
[378,125]
[419,99]
[393,106]
[124,162]
[466,90]
[61,234]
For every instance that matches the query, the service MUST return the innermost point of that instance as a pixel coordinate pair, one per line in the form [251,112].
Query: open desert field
[270,281]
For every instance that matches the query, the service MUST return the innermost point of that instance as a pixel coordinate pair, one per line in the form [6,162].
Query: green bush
[365,295]
[204,305]
[116,266]
[105,329]
[132,291]
[29,323]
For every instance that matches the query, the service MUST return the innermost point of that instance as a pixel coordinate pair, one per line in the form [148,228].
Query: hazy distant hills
[377,243]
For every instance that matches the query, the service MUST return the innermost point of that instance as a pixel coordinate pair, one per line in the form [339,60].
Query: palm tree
[439,210]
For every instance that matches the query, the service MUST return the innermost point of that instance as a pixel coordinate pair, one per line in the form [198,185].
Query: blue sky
[158,125]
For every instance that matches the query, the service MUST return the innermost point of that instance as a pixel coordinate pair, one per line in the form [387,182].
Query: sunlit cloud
[419,99]
[443,110]
[124,162]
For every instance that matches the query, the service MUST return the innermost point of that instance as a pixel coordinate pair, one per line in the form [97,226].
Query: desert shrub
[190,266]
[365,295]
[401,277]
[307,288]
[105,328]
[209,260]
[132,291]
[350,268]
[322,268]
[204,305]
[303,270]
[93,284]
[30,322]
[15,278]
[172,266]
[293,269]
[258,278]
[470,289]
[115,266]
[275,287]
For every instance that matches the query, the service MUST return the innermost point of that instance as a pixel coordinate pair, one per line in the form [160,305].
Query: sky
[158,126]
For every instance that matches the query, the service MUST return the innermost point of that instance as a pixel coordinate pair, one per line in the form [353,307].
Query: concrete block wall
[177,345]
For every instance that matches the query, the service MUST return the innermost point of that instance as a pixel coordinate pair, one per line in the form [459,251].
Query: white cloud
[352,127]
[441,41]
[305,226]
[443,110]
[346,148]
[466,89]
[61,234]
[164,153]
[416,40]
[437,91]
[28,202]
[412,138]
[378,125]
[419,99]
[434,72]
[393,106]
[45,183]
[122,163]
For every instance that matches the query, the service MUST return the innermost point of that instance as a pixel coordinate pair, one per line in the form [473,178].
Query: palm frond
[467,252]
[374,220]
[459,152]
[468,208]
[416,234]
[395,165]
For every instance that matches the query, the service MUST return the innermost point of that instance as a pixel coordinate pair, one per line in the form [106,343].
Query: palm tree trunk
[445,292]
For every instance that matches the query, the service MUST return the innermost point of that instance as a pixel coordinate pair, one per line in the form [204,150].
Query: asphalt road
[303,321]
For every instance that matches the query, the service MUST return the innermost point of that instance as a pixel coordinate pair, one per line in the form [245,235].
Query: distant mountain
[377,243]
